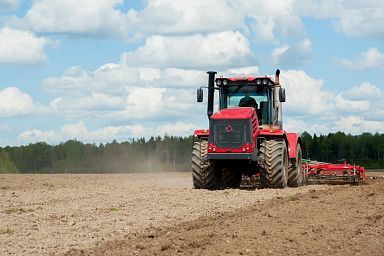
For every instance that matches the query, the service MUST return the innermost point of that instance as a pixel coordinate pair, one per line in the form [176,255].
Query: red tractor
[246,136]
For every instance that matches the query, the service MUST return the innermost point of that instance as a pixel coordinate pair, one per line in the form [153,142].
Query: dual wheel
[275,172]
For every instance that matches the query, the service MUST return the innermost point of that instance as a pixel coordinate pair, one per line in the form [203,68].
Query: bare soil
[160,214]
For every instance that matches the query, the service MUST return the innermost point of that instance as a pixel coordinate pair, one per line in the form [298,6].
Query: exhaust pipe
[277,77]
[211,92]
[276,101]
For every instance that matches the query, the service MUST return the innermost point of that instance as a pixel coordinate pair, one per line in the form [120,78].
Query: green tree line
[155,154]
[170,153]
[365,150]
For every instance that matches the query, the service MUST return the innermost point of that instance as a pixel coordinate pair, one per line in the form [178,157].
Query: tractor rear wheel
[231,178]
[295,172]
[203,174]
[274,172]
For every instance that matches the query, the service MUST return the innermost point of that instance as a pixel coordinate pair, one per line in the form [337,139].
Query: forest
[170,153]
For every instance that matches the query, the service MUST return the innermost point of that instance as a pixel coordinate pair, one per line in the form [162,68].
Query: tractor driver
[248,101]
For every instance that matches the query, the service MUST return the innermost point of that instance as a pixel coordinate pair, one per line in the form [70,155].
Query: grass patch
[18,210]
[114,209]
[49,185]
[14,210]
[9,231]
[293,198]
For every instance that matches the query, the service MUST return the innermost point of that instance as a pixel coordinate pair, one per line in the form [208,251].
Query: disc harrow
[328,173]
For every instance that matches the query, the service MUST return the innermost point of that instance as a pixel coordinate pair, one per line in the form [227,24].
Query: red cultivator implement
[327,173]
[315,172]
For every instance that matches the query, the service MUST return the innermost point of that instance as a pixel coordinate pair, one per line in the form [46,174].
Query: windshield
[234,98]
[261,106]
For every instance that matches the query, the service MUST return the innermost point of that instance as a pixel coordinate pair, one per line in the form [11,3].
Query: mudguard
[201,133]
[275,132]
[293,140]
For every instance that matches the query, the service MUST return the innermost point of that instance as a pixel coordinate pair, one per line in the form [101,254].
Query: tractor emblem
[229,129]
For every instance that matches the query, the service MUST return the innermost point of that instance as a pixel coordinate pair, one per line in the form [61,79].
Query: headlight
[218,82]
[225,82]
[265,82]
[258,81]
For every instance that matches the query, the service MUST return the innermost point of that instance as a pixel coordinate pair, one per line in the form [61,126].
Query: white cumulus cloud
[120,92]
[81,132]
[305,95]
[22,47]
[88,17]
[224,49]
[354,18]
[14,102]
[364,91]
[80,106]
[180,17]
[316,110]
[367,94]
[344,104]
[298,54]
[371,58]
[244,71]
[34,136]
[356,125]
[270,20]
[264,20]
[362,18]
[300,124]
[114,78]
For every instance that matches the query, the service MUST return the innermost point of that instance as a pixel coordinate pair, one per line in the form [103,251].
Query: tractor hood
[234,113]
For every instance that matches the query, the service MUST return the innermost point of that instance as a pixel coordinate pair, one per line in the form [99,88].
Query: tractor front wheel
[274,170]
[203,174]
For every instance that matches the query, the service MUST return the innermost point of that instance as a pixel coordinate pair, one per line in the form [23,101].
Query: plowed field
[160,214]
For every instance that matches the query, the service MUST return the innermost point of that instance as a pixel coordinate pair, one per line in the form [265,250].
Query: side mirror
[199,94]
[282,95]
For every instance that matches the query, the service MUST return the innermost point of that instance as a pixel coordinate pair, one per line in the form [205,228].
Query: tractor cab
[241,92]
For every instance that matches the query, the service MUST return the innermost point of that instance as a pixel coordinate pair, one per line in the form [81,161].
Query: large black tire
[274,171]
[231,178]
[295,172]
[203,174]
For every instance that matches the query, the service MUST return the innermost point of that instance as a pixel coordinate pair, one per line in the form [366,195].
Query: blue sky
[98,70]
